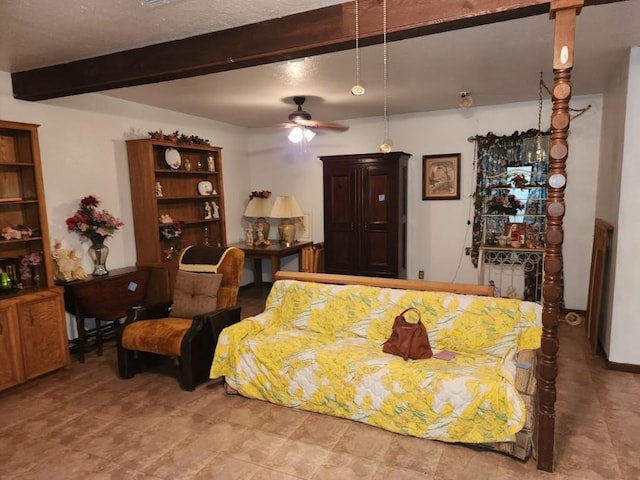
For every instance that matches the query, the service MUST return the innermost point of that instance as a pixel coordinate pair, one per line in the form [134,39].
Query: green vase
[5,281]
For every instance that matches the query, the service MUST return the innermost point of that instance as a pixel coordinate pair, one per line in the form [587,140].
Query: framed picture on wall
[303,228]
[441,177]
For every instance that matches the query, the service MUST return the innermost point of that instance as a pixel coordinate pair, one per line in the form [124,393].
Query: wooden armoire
[365,214]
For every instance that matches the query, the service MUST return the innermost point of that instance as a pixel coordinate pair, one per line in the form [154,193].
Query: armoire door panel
[377,198]
[341,191]
[377,248]
[342,255]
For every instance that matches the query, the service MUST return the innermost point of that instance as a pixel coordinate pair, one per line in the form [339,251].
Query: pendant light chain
[385,59]
[386,144]
[540,105]
[357,89]
[357,45]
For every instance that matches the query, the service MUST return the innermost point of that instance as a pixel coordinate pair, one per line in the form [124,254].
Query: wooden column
[564,12]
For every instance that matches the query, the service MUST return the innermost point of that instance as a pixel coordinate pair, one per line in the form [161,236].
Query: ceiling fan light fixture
[298,134]
[295,135]
[466,100]
[308,134]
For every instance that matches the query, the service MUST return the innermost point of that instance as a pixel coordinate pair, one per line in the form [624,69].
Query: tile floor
[84,422]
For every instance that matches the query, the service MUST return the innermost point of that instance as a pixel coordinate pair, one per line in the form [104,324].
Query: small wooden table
[275,252]
[105,298]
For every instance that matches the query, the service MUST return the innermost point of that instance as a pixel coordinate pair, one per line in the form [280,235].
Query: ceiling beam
[315,32]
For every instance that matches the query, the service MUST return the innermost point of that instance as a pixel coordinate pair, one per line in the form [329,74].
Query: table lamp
[259,208]
[286,208]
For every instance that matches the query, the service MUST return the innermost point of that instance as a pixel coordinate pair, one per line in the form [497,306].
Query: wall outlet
[421,274]
[467,251]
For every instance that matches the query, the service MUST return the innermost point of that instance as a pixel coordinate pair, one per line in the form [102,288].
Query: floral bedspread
[319,347]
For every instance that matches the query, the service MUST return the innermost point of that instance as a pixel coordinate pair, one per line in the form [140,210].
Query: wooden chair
[187,327]
[313,258]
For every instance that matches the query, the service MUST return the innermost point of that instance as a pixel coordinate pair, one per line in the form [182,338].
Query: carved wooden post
[564,12]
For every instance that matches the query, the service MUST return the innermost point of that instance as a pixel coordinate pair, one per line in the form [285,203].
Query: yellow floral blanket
[318,347]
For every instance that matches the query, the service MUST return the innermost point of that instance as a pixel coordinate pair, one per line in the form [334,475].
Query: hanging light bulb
[357,89]
[386,145]
[466,100]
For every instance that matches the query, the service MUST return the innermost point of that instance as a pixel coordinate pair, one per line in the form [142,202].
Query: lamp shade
[258,207]
[286,207]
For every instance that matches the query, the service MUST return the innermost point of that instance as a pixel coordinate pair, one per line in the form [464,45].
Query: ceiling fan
[301,118]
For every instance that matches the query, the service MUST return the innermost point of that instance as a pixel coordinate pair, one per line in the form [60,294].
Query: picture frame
[441,177]
[303,228]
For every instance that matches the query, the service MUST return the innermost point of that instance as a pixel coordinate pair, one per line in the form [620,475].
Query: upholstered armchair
[187,327]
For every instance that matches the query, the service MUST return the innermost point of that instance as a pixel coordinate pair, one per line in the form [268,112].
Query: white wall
[83,152]
[438,231]
[625,329]
[609,182]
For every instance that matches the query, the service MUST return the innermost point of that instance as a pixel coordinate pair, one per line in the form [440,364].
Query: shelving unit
[33,336]
[181,200]
[515,271]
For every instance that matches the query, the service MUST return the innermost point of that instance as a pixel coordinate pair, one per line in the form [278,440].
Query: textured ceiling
[37,33]
[498,63]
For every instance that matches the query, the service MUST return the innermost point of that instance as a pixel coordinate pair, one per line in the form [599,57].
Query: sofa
[318,346]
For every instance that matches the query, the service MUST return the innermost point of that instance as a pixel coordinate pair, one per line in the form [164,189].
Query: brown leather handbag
[408,340]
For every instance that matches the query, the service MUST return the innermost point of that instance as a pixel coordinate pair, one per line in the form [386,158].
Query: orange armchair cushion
[162,336]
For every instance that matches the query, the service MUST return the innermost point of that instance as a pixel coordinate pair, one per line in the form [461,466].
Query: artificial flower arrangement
[91,223]
[179,138]
[504,203]
[171,231]
[32,259]
[29,273]
[16,232]
[260,194]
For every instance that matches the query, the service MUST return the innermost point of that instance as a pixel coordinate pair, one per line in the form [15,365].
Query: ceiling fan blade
[326,125]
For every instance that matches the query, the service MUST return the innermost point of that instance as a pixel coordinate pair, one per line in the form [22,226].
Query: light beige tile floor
[85,422]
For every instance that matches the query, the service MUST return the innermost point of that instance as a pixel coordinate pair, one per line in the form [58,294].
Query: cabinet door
[378,230]
[340,218]
[10,371]
[43,335]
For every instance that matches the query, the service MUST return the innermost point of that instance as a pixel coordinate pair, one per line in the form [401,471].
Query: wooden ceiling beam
[315,32]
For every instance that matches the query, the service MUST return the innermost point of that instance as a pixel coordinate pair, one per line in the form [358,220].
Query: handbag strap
[408,310]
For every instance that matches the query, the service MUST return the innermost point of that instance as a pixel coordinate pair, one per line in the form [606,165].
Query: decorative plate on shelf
[205,188]
[172,157]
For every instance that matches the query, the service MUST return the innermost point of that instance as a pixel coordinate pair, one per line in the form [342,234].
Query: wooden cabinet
[365,214]
[33,337]
[170,179]
[23,214]
[33,340]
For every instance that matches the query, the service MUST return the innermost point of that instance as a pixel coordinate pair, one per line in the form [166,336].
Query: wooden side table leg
[99,337]
[275,266]
[257,272]
[82,335]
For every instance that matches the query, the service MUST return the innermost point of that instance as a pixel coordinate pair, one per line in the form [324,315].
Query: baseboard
[622,367]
